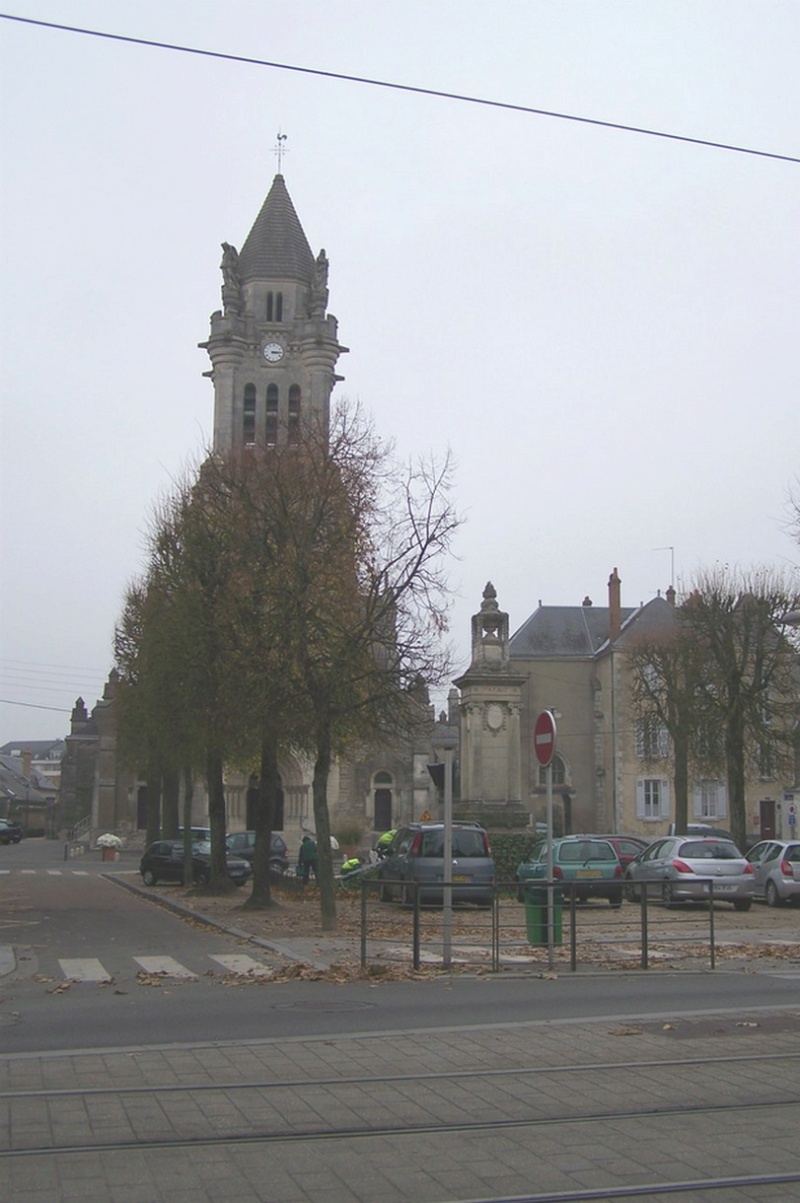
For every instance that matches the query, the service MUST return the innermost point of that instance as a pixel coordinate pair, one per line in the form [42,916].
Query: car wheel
[631,893]
[667,895]
[771,894]
[616,900]
[742,904]
[203,877]
[385,893]
[407,896]
[149,877]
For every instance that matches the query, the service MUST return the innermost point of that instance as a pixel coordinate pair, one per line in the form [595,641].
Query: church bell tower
[273,346]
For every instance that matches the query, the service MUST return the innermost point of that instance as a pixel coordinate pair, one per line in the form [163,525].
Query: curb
[187,912]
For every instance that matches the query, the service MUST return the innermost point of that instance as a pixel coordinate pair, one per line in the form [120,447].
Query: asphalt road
[53,914]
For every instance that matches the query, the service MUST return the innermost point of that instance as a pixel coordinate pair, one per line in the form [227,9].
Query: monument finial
[279,149]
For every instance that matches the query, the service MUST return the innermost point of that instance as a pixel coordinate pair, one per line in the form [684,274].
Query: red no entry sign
[544,737]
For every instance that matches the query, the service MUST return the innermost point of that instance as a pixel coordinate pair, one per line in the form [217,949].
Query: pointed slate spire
[276,248]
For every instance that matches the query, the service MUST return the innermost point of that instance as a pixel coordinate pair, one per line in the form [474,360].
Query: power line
[464,98]
[35,706]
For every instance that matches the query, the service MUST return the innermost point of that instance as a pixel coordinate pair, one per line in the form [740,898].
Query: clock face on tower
[272,352]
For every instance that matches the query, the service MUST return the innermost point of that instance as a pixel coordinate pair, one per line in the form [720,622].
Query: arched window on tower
[271,431]
[294,415]
[249,416]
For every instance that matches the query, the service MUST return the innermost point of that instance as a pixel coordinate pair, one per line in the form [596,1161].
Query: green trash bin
[536,915]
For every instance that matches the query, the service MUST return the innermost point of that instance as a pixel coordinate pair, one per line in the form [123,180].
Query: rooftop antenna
[279,149]
[671,550]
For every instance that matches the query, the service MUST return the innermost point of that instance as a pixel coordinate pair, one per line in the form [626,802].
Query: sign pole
[447,852]
[550,891]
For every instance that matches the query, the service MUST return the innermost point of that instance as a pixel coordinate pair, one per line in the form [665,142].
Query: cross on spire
[279,149]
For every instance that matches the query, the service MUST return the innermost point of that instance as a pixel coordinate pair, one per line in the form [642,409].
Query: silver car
[776,870]
[684,869]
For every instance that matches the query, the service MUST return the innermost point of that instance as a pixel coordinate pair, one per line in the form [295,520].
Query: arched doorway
[382,801]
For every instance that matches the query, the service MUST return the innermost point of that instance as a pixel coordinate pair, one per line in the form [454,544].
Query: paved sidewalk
[503,1111]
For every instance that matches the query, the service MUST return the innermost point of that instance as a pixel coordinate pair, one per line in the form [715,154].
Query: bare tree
[340,599]
[737,619]
[668,694]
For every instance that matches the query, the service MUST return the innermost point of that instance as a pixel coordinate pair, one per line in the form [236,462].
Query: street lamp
[446,743]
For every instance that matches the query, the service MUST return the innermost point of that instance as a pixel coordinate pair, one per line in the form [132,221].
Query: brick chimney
[671,596]
[26,762]
[614,606]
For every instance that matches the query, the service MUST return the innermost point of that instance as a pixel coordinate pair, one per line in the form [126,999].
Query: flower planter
[110,854]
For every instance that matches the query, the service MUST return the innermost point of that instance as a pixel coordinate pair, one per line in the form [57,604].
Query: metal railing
[498,935]
[76,842]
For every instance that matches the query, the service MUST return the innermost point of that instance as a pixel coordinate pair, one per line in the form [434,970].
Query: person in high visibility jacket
[382,846]
[351,865]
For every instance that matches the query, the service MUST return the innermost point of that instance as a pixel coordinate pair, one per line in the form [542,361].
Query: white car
[686,868]
[776,870]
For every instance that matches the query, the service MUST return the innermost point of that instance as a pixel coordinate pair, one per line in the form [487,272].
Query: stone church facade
[273,349]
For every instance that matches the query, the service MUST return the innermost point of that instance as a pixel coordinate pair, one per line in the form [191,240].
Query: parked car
[243,844]
[776,871]
[588,867]
[702,829]
[10,832]
[197,833]
[416,856]
[625,846]
[682,868]
[163,861]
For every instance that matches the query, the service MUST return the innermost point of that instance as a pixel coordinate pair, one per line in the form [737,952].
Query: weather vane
[279,149]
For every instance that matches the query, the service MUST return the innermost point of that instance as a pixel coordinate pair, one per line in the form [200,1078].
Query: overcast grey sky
[602,326]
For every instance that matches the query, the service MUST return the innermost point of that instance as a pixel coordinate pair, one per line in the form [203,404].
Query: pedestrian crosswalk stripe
[164,967]
[54,872]
[242,964]
[84,969]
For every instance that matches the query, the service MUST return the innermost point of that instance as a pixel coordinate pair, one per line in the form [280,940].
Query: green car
[586,868]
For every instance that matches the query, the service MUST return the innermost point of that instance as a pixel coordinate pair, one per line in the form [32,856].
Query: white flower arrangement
[109,841]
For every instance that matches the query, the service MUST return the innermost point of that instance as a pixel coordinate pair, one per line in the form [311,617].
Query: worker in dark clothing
[307,859]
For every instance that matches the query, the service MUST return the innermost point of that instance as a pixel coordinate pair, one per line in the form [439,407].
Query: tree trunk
[734,754]
[170,814]
[216,819]
[153,804]
[188,799]
[269,783]
[681,781]
[327,889]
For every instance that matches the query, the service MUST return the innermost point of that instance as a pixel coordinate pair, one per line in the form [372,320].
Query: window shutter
[640,741]
[640,798]
[697,800]
[665,810]
[722,800]
[663,742]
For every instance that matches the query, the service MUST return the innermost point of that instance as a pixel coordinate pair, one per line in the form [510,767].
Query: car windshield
[202,846]
[709,850]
